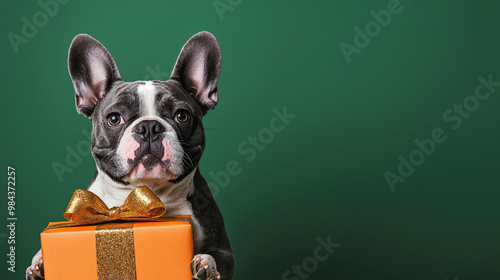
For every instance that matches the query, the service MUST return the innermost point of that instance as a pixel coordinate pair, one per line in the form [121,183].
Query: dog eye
[114,119]
[182,117]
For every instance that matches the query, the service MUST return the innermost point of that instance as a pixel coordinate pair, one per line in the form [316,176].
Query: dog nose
[149,130]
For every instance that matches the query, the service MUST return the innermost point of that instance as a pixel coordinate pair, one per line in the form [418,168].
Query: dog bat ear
[92,70]
[198,67]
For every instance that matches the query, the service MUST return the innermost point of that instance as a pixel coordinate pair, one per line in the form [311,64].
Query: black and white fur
[152,145]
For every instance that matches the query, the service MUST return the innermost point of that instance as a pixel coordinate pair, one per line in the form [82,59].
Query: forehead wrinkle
[122,92]
[174,95]
[122,101]
[171,102]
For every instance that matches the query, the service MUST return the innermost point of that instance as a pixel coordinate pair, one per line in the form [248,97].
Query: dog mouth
[150,168]
[150,161]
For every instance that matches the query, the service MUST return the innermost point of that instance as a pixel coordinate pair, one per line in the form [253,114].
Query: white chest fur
[173,196]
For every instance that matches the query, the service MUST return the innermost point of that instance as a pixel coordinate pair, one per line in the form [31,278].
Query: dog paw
[35,271]
[203,267]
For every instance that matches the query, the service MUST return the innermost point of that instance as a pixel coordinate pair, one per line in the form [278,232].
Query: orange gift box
[119,250]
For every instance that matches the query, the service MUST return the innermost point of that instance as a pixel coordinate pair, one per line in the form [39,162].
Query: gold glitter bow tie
[87,208]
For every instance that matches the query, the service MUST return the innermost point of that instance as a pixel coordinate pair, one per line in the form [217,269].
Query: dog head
[146,131]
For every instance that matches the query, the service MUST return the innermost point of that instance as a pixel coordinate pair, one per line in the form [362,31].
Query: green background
[323,174]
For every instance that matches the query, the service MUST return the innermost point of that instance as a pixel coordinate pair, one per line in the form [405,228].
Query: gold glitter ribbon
[115,254]
[87,208]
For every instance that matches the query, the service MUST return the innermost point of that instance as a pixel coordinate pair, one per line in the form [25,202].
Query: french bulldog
[151,133]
